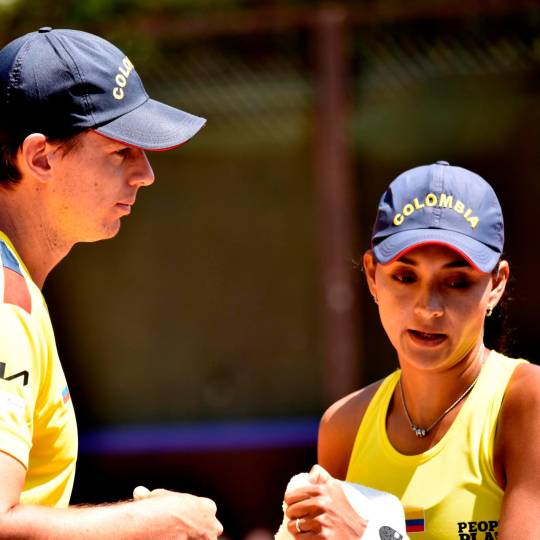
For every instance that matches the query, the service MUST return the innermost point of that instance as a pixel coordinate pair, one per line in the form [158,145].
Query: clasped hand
[321,510]
[183,516]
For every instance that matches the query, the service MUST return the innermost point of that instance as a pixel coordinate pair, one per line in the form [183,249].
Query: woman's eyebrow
[406,260]
[458,263]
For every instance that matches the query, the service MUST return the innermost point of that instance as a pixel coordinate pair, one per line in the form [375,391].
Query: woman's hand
[321,510]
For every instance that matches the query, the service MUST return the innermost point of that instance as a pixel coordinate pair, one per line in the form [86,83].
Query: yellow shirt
[448,492]
[37,420]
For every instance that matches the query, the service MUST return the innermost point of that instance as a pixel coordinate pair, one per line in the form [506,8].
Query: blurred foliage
[146,29]
[20,16]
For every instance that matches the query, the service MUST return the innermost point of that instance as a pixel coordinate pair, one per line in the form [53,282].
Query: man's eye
[123,151]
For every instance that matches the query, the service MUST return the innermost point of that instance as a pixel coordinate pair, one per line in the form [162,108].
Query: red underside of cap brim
[436,243]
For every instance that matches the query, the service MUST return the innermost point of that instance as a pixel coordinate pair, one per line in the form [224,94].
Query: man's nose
[142,174]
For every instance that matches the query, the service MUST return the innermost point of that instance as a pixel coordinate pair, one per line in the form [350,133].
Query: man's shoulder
[14,283]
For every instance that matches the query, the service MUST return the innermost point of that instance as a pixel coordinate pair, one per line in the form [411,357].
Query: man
[74,123]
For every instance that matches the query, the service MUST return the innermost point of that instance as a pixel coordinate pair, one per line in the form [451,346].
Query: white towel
[383,511]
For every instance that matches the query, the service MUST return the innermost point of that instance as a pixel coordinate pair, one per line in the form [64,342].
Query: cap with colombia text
[440,204]
[60,82]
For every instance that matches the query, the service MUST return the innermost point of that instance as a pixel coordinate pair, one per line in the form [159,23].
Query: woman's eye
[458,283]
[404,278]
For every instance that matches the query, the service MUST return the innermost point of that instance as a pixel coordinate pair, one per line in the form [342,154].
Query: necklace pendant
[419,432]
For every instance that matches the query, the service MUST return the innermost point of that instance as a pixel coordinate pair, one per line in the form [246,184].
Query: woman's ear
[370,265]
[499,281]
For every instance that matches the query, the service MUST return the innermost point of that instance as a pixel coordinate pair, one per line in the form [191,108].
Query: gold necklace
[422,432]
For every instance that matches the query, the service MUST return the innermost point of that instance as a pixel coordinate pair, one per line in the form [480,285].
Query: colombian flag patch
[415,519]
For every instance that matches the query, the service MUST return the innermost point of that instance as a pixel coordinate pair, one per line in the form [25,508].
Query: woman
[455,432]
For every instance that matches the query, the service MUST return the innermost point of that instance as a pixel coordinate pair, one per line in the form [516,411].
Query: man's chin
[104,234]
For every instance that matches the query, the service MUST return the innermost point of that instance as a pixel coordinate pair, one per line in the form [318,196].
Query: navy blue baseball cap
[61,82]
[440,204]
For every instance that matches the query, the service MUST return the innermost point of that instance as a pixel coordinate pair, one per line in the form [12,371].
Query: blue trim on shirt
[8,259]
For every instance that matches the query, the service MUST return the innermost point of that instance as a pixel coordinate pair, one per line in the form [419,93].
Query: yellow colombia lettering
[408,209]
[398,220]
[432,200]
[446,201]
[121,78]
[459,207]
[417,205]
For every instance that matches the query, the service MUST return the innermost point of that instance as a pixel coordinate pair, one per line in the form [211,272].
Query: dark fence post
[336,223]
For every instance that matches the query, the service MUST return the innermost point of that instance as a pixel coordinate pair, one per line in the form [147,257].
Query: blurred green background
[211,304]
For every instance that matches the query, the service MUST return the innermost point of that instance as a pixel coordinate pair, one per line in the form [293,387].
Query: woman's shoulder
[519,423]
[523,389]
[351,407]
[338,428]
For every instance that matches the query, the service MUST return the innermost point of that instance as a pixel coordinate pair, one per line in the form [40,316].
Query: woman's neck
[428,394]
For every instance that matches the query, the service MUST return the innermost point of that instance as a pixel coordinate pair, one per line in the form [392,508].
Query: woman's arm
[321,509]
[517,449]
[338,428]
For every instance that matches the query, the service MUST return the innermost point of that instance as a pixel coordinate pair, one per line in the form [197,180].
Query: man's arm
[164,514]
[518,451]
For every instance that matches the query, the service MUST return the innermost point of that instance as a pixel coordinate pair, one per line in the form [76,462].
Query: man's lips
[426,338]
[125,206]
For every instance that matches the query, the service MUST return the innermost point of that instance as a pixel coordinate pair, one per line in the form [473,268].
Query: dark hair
[10,144]
[9,173]
[497,332]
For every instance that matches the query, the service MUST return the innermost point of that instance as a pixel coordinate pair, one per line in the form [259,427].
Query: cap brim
[153,126]
[477,254]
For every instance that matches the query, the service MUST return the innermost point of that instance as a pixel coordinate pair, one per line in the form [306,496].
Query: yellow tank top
[448,492]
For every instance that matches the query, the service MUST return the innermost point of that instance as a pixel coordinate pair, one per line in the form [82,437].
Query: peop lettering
[442,201]
[121,79]
[478,530]
[24,374]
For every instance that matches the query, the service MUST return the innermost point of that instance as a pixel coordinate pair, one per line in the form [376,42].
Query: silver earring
[489,311]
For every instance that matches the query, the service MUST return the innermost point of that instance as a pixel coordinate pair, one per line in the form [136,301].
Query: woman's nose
[429,304]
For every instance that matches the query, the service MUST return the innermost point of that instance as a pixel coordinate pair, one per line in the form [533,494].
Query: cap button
[442,162]
[44,29]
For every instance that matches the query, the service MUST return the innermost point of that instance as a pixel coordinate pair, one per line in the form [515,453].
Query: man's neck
[34,240]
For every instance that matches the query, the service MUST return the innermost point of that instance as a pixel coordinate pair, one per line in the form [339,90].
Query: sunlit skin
[78,192]
[433,305]
[438,336]
[68,193]
[438,293]
[97,184]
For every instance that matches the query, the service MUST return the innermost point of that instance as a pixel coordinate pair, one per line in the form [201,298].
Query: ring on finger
[297,524]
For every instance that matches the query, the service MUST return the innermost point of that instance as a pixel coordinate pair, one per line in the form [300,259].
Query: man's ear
[499,283]
[370,265]
[34,157]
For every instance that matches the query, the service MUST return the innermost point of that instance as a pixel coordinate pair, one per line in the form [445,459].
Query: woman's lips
[430,339]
